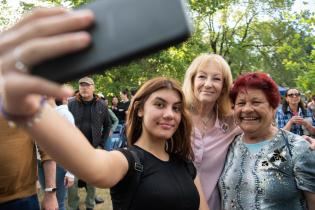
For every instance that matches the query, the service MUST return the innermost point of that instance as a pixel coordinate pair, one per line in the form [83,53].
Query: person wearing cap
[92,118]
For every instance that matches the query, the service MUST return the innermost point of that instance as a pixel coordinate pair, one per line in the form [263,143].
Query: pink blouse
[210,153]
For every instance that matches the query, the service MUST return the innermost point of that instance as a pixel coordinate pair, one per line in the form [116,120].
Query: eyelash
[203,77]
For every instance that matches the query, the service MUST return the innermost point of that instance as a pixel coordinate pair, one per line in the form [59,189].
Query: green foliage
[251,35]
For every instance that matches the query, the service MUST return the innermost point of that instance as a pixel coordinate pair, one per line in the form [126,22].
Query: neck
[294,107]
[154,146]
[260,135]
[206,109]
[90,98]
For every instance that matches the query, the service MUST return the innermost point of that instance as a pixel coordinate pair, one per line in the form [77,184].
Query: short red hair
[257,80]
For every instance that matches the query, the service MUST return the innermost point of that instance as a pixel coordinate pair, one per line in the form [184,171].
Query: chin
[207,100]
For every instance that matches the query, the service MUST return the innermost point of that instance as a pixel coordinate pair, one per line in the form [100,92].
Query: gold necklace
[205,121]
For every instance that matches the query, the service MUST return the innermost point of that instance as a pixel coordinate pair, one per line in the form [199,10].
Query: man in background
[91,117]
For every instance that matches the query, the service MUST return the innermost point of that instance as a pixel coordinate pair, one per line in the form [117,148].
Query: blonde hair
[200,62]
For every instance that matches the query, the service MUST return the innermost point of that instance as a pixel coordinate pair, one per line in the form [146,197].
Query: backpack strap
[138,167]
[285,137]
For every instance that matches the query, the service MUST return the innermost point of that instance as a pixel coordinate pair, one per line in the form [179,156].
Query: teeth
[249,118]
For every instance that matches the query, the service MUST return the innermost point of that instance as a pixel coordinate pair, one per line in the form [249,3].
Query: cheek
[197,84]
[219,87]
[237,114]
[178,118]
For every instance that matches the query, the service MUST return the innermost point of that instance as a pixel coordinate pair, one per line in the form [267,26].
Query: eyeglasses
[294,94]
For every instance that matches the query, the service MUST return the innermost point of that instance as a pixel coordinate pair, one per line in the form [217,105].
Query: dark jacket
[100,121]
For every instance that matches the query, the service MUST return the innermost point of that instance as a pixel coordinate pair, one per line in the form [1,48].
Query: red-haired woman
[266,167]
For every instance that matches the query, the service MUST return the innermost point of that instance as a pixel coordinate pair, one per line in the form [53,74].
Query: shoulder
[294,139]
[72,101]
[279,111]
[298,144]
[188,165]
[101,103]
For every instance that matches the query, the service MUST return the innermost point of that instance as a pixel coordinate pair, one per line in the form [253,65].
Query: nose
[208,82]
[247,107]
[169,113]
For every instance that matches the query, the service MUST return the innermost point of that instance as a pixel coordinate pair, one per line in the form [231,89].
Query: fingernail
[86,14]
[82,39]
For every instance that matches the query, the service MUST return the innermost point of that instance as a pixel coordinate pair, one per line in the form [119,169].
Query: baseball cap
[87,80]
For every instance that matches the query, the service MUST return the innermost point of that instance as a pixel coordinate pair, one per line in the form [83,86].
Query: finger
[24,85]
[71,21]
[53,25]
[39,13]
[38,50]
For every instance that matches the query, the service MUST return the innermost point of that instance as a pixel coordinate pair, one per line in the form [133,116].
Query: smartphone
[123,30]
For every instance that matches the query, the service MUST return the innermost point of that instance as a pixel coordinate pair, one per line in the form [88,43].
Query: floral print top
[273,179]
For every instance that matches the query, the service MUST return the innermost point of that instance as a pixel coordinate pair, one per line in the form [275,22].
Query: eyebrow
[159,98]
[216,74]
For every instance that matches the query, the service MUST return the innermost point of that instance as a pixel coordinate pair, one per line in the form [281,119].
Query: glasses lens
[294,94]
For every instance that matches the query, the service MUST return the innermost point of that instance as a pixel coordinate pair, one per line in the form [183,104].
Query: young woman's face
[208,84]
[161,114]
[253,112]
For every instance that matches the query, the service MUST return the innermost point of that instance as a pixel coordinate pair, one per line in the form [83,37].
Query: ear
[140,113]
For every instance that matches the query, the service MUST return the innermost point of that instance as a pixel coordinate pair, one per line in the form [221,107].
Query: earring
[235,121]
[224,127]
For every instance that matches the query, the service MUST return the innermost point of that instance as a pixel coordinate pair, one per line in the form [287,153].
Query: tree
[252,35]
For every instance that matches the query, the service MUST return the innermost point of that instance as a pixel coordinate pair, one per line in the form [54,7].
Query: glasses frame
[294,94]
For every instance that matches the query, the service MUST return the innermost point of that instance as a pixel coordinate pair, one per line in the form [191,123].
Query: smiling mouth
[167,126]
[207,93]
[249,119]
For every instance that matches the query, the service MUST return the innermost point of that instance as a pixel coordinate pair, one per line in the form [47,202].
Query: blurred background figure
[293,115]
[64,178]
[92,118]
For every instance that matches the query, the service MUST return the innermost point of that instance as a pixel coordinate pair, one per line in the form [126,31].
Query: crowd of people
[209,144]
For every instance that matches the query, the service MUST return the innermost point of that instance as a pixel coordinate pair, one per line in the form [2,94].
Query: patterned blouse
[271,179]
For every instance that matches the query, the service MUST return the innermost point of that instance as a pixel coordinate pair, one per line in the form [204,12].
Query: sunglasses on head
[294,94]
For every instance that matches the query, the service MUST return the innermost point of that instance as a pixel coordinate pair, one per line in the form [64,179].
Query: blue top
[255,148]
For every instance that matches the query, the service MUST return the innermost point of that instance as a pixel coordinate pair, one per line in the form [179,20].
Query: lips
[207,92]
[166,125]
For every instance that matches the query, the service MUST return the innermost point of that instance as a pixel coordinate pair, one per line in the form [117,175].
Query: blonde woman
[206,88]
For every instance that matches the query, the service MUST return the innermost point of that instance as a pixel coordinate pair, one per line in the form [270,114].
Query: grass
[107,205]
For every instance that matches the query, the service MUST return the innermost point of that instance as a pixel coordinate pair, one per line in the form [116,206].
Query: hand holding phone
[123,30]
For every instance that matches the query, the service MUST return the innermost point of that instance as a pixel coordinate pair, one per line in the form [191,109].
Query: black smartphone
[123,30]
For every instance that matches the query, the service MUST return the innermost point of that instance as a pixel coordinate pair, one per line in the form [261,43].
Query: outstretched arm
[44,34]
